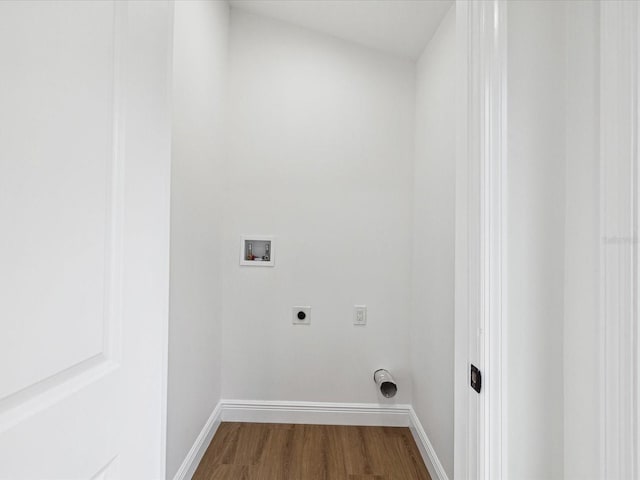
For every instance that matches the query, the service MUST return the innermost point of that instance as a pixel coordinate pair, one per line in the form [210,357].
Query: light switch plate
[359,314]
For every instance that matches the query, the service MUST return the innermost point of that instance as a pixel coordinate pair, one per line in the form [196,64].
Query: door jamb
[481,180]
[619,219]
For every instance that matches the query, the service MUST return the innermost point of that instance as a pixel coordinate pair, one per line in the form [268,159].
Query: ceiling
[400,27]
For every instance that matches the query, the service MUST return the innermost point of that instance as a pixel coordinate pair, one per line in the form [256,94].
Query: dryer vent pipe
[385,383]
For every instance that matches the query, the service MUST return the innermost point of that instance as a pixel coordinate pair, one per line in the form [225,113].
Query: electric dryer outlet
[301,315]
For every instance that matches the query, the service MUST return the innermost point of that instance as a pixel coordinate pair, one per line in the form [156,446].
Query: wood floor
[264,451]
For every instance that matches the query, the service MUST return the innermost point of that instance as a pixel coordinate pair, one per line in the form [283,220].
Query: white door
[84,191]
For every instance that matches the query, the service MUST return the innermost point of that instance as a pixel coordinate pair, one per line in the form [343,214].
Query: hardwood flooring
[264,451]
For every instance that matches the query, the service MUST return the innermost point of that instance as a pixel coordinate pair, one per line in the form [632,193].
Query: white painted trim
[431,460]
[164,403]
[619,197]
[481,160]
[319,413]
[192,460]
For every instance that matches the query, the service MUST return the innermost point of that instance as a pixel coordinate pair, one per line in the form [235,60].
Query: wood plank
[260,451]
[229,472]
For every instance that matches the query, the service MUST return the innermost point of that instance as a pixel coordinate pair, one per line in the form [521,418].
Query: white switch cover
[359,314]
[301,315]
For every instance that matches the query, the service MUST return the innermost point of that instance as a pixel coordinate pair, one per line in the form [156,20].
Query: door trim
[619,110]
[481,180]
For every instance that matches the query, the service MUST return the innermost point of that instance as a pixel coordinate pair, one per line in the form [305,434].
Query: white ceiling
[401,27]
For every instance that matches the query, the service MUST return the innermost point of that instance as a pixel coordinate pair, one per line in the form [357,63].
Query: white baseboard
[368,414]
[436,470]
[192,460]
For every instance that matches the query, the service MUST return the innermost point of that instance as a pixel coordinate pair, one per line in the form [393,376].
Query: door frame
[481,177]
[619,219]
[481,180]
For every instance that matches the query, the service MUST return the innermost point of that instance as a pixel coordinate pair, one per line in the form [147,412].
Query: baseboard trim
[192,460]
[436,470]
[322,413]
[319,413]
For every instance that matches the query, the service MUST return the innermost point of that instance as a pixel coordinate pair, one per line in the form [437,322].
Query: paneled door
[84,221]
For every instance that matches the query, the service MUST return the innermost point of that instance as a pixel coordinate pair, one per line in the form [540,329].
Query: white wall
[581,344]
[199,77]
[536,215]
[432,327]
[320,155]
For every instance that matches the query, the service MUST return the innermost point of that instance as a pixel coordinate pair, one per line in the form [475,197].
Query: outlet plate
[359,314]
[301,311]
